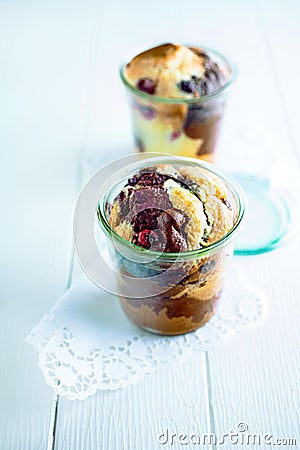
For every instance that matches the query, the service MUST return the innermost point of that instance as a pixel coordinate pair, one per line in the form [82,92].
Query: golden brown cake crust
[167,66]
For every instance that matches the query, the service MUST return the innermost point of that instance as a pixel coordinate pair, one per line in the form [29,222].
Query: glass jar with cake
[171,225]
[177,96]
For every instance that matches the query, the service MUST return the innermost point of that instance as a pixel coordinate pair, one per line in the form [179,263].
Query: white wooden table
[61,103]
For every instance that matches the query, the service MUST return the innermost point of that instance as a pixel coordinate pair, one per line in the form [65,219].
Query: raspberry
[146,237]
[146,85]
[147,112]
[175,135]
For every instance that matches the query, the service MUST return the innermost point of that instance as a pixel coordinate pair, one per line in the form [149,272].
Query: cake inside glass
[177,98]
[172,229]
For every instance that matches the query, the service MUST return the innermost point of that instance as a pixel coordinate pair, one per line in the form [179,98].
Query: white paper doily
[86,342]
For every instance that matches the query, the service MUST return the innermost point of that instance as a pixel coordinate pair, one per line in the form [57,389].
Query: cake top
[175,71]
[170,209]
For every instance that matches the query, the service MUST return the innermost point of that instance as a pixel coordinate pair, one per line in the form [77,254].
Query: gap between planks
[92,48]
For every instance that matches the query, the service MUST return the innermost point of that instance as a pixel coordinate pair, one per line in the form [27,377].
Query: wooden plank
[255,378]
[247,380]
[280,24]
[135,417]
[41,115]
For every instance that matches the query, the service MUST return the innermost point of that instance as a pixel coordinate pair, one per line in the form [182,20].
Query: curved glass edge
[282,237]
[233,72]
[225,240]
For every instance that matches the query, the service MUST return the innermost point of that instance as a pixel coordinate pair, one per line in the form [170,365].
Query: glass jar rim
[200,252]
[194,100]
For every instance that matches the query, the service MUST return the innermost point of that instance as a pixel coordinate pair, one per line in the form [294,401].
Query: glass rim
[193,100]
[200,252]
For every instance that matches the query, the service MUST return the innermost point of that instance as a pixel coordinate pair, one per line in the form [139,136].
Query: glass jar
[186,127]
[169,293]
